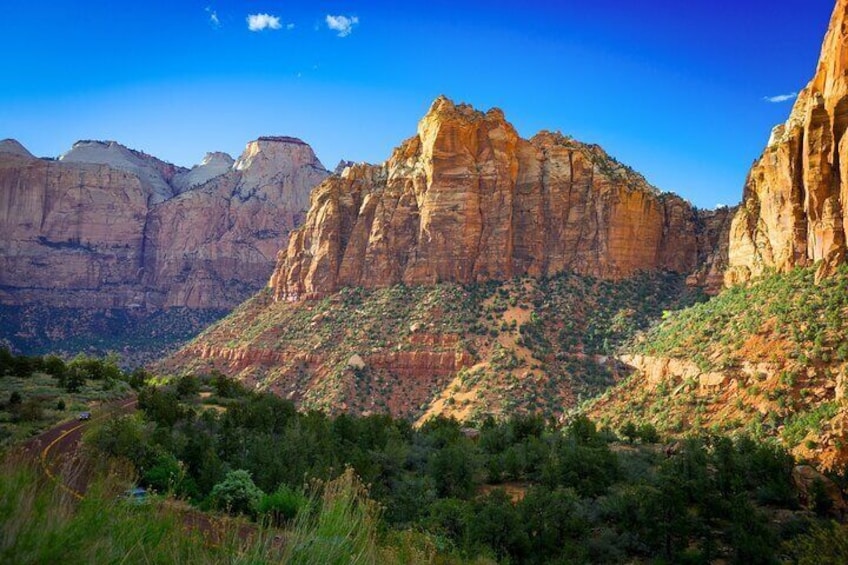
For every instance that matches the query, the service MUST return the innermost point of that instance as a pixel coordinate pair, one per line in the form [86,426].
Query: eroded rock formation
[108,227]
[468,200]
[794,205]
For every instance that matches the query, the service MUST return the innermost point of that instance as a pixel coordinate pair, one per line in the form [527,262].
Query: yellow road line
[46,467]
[76,494]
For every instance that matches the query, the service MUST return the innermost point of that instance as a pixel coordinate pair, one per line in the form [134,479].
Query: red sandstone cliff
[468,200]
[794,205]
[108,227]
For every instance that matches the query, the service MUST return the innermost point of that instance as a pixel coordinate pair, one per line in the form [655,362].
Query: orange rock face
[794,205]
[468,200]
[131,231]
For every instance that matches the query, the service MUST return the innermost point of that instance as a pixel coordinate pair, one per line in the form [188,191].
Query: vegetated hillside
[136,335]
[526,345]
[769,358]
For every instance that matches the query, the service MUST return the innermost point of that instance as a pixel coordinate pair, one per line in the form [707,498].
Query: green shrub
[237,493]
[283,505]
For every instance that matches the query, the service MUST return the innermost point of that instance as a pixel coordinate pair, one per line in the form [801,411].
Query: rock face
[108,227]
[794,205]
[156,176]
[808,481]
[213,165]
[468,200]
[13,147]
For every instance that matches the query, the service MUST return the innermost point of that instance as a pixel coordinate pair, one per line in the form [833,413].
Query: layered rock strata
[108,227]
[794,204]
[468,200]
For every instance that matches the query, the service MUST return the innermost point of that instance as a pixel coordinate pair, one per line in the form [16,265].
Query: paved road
[58,445]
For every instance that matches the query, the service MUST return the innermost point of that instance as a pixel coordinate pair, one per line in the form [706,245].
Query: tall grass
[343,527]
[340,529]
[42,523]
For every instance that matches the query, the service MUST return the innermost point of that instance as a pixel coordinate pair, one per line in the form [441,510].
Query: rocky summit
[107,227]
[795,201]
[468,200]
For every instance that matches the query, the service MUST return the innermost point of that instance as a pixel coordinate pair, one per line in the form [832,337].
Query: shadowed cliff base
[137,336]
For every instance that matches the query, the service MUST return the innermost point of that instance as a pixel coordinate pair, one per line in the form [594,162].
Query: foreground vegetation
[307,487]
[517,491]
[41,523]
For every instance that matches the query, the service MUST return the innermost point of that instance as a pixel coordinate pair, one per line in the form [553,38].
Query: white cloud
[342,24]
[213,17]
[289,27]
[781,97]
[258,22]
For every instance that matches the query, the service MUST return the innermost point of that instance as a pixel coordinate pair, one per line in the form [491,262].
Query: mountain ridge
[431,284]
[106,227]
[468,200]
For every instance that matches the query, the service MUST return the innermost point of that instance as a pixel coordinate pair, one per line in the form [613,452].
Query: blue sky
[673,88]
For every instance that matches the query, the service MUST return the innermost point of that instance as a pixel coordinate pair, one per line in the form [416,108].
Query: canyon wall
[108,227]
[468,200]
[793,211]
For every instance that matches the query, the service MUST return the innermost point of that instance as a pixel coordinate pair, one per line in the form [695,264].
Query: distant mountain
[107,227]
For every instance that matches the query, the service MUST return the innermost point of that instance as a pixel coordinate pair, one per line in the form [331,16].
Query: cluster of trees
[34,404]
[520,490]
[71,375]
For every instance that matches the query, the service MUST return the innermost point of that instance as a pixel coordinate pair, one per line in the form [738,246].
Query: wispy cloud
[781,97]
[289,27]
[258,22]
[342,24]
[214,21]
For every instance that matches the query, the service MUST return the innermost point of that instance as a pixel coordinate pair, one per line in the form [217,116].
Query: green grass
[41,523]
[44,390]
